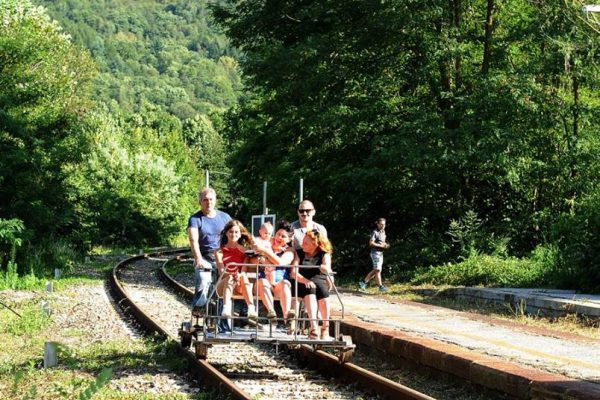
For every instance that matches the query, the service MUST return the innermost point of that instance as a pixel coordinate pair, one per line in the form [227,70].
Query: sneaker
[291,314]
[363,285]
[271,315]
[252,315]
[382,289]
[291,326]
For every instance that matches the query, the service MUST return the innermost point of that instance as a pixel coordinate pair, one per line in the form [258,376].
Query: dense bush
[578,238]
[490,271]
[134,187]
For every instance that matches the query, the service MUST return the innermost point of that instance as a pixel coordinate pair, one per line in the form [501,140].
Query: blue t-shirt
[209,229]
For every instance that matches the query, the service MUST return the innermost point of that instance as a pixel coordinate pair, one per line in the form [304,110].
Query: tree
[43,79]
[419,111]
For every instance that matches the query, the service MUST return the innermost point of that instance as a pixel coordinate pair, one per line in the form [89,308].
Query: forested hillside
[473,125]
[153,53]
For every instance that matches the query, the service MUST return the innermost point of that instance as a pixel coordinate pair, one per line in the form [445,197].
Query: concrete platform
[523,362]
[535,301]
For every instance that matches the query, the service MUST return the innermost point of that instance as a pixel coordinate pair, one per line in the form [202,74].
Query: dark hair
[285,225]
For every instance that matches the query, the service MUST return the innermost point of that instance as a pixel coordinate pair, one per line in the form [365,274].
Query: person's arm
[301,279]
[267,252]
[326,264]
[375,245]
[193,237]
[326,269]
[294,271]
[219,261]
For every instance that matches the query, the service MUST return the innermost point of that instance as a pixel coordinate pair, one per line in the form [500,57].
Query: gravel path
[84,315]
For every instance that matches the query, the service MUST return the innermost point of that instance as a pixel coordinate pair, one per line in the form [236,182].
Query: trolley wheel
[346,352]
[201,350]
[186,340]
[186,335]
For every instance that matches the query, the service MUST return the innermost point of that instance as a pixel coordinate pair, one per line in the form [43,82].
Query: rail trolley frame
[202,331]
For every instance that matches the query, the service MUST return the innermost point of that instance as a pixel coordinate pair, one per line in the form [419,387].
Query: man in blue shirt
[204,229]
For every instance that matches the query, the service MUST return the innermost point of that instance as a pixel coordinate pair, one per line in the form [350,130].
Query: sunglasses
[305,211]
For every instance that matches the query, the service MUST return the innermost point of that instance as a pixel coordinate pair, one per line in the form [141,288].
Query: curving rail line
[207,373]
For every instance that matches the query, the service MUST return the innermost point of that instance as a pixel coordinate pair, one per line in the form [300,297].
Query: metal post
[265,198]
[206,178]
[45,308]
[301,190]
[50,358]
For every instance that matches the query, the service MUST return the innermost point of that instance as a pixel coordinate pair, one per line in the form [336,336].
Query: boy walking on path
[378,244]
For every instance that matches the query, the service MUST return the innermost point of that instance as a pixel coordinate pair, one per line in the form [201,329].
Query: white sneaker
[252,314]
[226,313]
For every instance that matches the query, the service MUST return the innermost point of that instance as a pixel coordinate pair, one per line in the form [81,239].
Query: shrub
[491,271]
[577,238]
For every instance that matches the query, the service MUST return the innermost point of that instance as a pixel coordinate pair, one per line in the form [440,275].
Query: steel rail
[202,369]
[324,361]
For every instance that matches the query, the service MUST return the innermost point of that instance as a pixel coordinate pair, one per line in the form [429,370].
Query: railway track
[242,370]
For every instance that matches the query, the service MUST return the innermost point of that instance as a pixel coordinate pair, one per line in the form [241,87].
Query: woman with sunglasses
[314,283]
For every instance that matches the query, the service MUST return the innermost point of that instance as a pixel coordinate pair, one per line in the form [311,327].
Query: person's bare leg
[370,276]
[378,276]
[324,310]
[246,287]
[310,302]
[228,286]
[265,294]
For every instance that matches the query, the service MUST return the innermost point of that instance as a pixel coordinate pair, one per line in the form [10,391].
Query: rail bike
[209,327]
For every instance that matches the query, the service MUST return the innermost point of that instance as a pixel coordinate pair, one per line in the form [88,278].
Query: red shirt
[232,255]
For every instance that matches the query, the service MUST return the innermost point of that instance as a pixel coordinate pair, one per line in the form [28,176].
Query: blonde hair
[321,241]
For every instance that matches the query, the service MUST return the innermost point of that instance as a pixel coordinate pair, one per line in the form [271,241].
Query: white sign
[591,8]
[258,220]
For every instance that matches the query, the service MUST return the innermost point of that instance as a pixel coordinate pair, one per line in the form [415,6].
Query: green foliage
[43,79]
[31,322]
[421,113]
[136,185]
[50,253]
[577,235]
[100,381]
[464,233]
[10,240]
[153,54]
[208,149]
[485,270]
